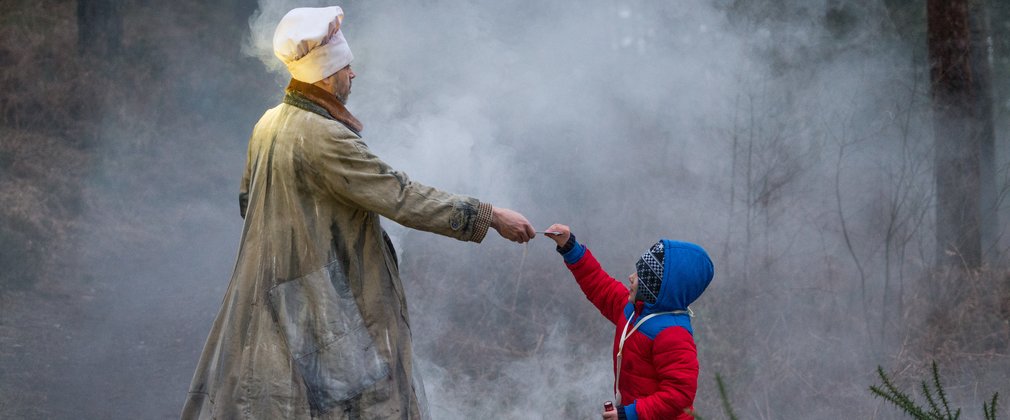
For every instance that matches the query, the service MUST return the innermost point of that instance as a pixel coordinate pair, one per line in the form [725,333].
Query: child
[655,359]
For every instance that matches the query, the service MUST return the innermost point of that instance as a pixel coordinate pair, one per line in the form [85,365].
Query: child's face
[632,287]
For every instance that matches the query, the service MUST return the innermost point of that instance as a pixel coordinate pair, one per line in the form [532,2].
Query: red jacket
[659,372]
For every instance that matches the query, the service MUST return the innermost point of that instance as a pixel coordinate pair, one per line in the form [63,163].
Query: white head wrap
[309,42]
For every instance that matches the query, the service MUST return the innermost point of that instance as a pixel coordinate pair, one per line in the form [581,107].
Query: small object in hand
[608,406]
[550,232]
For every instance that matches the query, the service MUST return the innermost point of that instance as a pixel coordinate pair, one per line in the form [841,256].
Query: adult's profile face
[342,83]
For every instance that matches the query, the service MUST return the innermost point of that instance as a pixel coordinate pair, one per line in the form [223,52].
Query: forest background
[844,162]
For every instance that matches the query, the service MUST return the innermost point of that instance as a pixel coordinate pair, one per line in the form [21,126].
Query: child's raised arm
[606,293]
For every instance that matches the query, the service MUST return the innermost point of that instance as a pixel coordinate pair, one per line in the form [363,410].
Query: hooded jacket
[659,368]
[314,322]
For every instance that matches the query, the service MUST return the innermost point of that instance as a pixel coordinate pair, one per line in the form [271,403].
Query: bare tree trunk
[99,28]
[957,124]
[981,63]
[999,15]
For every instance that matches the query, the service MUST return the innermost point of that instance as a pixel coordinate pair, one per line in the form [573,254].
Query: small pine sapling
[938,406]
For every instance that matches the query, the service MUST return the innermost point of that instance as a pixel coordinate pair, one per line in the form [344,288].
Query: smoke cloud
[788,139]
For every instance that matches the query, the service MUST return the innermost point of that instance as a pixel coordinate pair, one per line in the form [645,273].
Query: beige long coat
[314,322]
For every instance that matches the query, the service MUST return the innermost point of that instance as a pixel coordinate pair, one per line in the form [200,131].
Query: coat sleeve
[605,292]
[348,169]
[676,361]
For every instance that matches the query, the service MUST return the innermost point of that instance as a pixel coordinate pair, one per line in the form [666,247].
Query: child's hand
[559,233]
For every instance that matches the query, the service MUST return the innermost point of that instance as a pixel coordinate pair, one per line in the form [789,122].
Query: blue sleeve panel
[575,254]
[630,412]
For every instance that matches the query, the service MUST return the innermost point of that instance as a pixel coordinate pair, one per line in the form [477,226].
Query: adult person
[314,322]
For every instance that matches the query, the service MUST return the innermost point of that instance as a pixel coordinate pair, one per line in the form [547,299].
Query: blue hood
[687,271]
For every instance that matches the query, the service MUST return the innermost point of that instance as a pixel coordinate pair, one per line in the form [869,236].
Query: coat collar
[327,101]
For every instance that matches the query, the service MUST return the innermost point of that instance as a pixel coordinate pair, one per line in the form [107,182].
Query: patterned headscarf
[650,274]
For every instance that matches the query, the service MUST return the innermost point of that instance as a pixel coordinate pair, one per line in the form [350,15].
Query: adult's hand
[610,415]
[511,225]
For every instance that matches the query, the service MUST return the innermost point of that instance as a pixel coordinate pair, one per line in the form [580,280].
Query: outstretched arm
[606,293]
[352,172]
